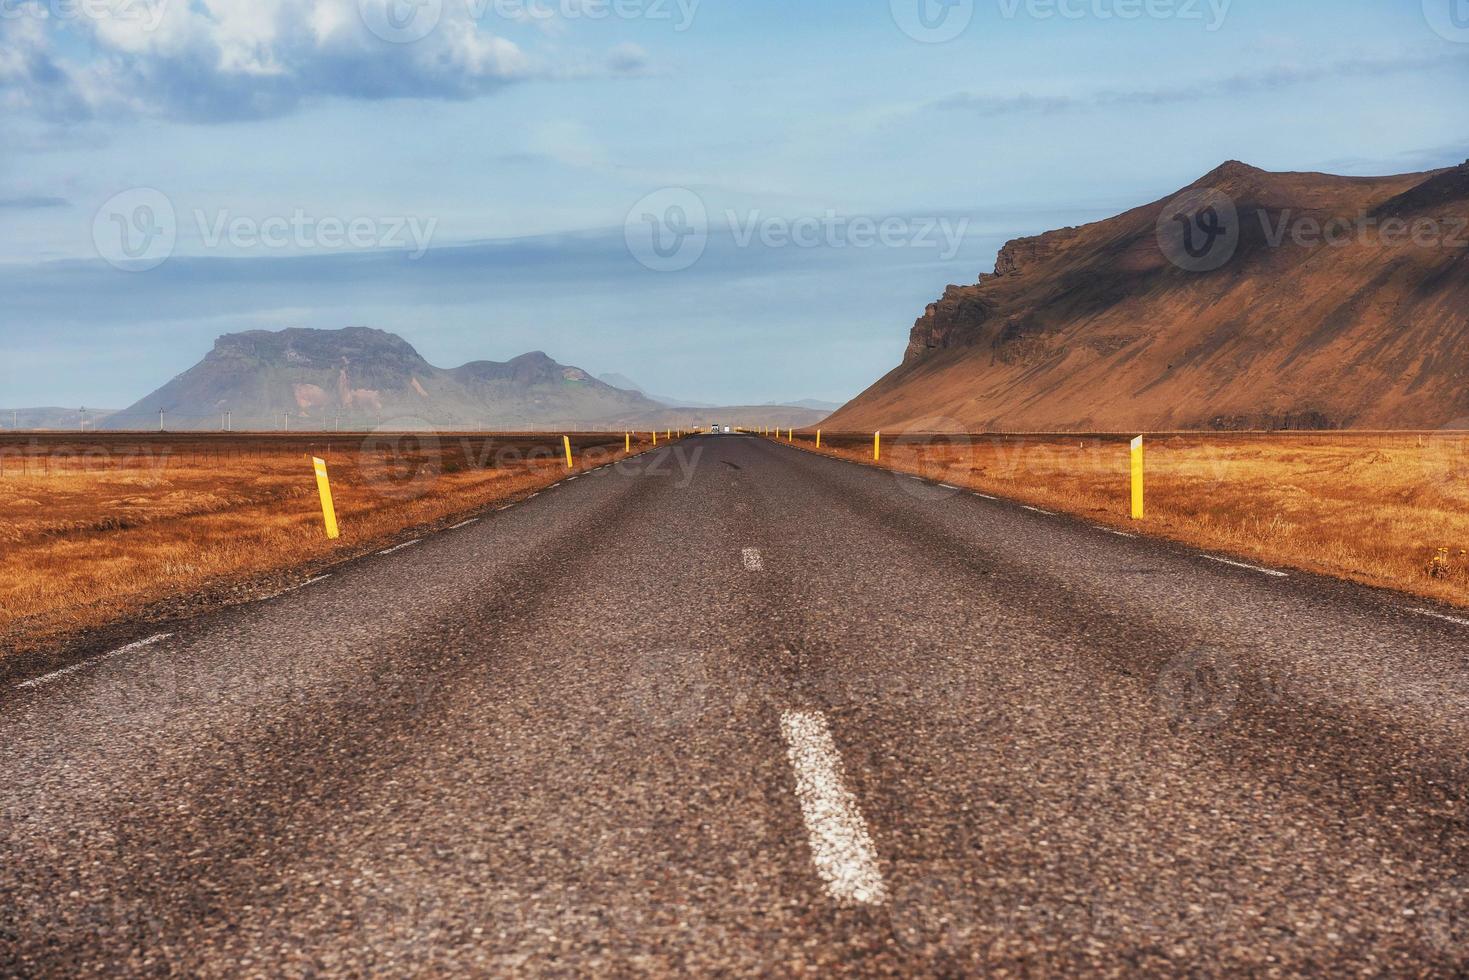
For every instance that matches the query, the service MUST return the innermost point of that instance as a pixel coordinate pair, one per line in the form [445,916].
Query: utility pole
[287,417]
[160,420]
[84,418]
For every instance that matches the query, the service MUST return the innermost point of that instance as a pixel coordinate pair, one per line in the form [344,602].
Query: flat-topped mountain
[359,378]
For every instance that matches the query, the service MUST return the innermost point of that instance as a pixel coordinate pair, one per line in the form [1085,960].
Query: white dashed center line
[400,547]
[130,648]
[1252,568]
[1436,615]
[753,561]
[840,844]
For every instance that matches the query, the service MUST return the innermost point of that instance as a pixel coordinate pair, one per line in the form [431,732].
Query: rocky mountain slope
[1251,299]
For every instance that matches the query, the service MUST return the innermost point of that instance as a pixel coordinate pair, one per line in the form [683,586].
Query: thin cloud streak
[1269,80]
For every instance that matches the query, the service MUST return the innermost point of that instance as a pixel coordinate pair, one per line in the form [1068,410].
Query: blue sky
[494,173]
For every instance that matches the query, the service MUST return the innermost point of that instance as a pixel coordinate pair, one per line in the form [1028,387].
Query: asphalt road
[737,708]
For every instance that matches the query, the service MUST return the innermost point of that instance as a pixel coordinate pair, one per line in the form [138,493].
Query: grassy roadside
[1384,509]
[96,536]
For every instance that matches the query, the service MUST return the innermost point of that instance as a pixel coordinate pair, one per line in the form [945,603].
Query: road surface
[737,707]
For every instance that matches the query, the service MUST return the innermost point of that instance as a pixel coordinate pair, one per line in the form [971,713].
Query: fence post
[1137,478]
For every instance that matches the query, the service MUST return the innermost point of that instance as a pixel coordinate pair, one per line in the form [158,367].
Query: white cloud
[218,60]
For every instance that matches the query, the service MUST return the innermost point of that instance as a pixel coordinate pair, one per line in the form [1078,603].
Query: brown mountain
[1251,299]
[358,378]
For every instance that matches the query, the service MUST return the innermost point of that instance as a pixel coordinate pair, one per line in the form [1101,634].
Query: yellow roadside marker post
[877,445]
[328,509]
[1137,478]
[655,437]
[818,438]
[566,441]
[627,442]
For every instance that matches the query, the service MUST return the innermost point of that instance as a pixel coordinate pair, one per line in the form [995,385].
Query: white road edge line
[985,496]
[294,588]
[753,561]
[841,847]
[1253,568]
[948,486]
[400,547]
[1457,620]
[472,520]
[57,674]
[1037,510]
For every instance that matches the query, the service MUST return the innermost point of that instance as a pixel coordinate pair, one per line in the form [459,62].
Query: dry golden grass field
[1386,509]
[97,528]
